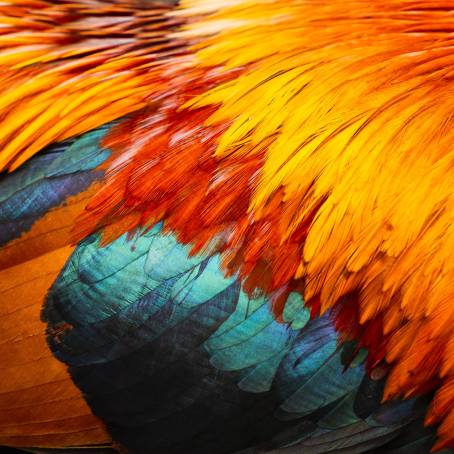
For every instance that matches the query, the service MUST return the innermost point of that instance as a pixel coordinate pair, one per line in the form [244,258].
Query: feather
[174,356]
[73,66]
[277,200]
[331,158]
[40,406]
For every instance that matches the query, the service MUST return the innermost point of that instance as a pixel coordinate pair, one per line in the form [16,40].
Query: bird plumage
[305,148]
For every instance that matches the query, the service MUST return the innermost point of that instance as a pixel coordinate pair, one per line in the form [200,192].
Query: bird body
[235,219]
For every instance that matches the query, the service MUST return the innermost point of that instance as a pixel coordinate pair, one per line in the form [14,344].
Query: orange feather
[346,109]
[311,143]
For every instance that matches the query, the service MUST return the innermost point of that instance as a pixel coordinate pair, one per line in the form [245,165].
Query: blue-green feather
[176,357]
[47,180]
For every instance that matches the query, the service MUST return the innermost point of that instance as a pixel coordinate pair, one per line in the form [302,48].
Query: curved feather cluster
[67,67]
[313,145]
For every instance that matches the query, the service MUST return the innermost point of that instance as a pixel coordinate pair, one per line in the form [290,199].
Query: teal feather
[175,357]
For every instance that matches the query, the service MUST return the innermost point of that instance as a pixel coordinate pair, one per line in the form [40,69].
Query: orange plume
[67,67]
[312,144]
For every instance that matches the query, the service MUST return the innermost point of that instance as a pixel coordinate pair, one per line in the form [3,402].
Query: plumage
[194,348]
[39,404]
[240,216]
[69,67]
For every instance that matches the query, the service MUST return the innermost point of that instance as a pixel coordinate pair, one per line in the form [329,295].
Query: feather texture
[176,357]
[279,154]
[325,165]
[39,203]
[69,67]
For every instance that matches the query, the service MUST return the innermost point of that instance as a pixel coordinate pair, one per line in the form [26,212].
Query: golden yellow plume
[357,100]
[67,67]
